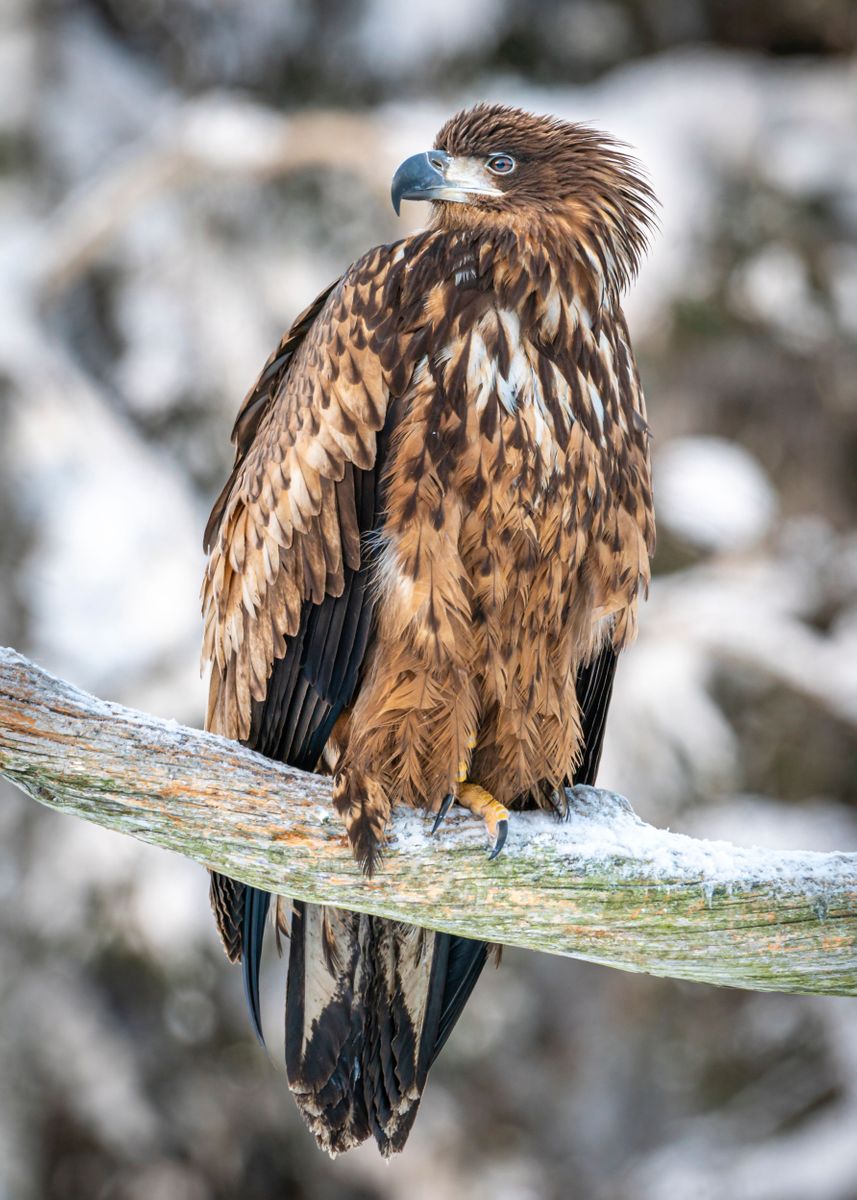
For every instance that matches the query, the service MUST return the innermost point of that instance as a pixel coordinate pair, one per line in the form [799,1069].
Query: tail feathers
[256,905]
[241,912]
[465,960]
[369,1004]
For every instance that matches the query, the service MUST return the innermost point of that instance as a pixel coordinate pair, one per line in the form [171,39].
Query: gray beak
[420,177]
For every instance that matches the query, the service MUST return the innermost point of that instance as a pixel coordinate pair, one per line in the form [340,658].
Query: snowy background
[177,179]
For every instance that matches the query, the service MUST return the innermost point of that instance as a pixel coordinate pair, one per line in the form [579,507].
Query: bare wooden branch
[602,886]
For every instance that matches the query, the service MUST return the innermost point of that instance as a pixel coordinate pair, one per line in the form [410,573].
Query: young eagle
[426,560]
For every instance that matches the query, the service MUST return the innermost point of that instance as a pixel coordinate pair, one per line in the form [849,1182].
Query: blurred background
[178,178]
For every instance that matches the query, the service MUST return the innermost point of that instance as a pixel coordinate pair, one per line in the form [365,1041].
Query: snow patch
[713,493]
[602,830]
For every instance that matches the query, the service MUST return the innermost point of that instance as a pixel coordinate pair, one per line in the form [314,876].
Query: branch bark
[602,886]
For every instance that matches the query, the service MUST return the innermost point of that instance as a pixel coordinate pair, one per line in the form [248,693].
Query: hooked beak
[435,175]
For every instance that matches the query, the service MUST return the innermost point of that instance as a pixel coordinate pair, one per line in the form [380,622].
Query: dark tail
[369,1005]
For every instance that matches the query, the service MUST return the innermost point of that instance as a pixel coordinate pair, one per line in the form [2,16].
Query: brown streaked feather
[274,536]
[258,400]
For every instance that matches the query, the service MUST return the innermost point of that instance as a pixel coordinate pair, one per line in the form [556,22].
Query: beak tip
[417,178]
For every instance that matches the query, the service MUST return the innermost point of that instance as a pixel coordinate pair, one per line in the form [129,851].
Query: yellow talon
[494,814]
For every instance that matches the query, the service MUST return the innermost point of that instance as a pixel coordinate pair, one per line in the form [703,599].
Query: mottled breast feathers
[494,325]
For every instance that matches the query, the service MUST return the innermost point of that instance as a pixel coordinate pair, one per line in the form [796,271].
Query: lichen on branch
[602,885]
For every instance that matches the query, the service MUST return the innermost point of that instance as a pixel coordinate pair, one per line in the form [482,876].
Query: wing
[284,538]
[617,381]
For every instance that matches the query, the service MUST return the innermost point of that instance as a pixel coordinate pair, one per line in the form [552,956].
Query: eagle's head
[498,167]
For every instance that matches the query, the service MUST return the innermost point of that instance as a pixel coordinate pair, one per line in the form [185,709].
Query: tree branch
[602,886]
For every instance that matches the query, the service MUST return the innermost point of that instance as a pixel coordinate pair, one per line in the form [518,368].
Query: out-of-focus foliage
[331,52]
[177,179]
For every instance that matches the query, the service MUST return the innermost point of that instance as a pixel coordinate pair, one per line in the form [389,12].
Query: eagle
[425,561]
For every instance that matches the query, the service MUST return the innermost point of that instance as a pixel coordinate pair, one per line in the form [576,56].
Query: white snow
[773,287]
[602,830]
[713,494]
[114,572]
[397,47]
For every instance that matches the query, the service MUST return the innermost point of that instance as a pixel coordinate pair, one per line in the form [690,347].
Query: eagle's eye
[501,164]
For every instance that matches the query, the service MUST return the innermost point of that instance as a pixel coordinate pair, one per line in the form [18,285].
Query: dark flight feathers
[594,688]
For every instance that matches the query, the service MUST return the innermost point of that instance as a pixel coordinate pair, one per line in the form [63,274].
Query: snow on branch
[603,885]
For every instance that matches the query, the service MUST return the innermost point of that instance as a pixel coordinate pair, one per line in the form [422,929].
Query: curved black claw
[447,804]
[559,804]
[500,840]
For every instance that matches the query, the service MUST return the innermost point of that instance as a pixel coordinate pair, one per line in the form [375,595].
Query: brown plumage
[427,556]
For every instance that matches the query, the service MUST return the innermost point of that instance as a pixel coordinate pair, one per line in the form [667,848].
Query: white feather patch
[392,583]
[481,370]
[597,405]
[552,312]
[513,389]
